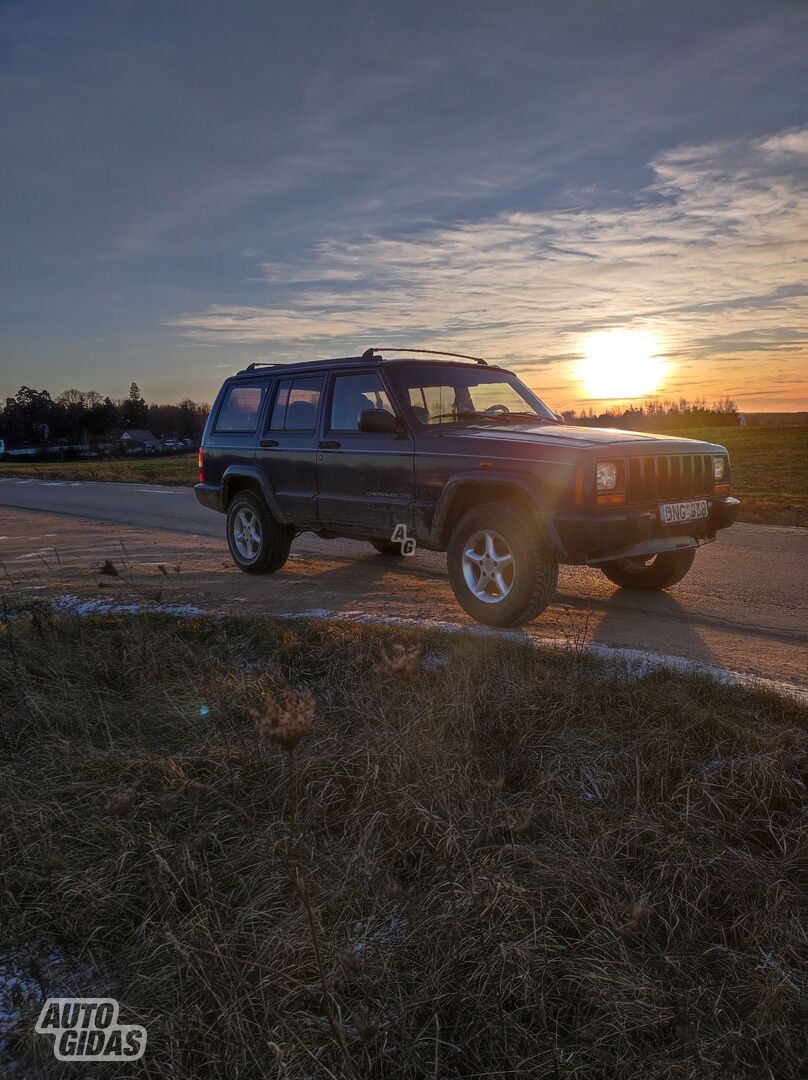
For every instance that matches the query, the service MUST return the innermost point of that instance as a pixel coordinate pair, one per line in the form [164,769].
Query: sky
[189,186]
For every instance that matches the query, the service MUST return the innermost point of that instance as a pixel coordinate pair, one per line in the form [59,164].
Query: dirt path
[712,618]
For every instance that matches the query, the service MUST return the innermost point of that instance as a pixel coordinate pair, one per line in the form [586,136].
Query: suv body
[361,446]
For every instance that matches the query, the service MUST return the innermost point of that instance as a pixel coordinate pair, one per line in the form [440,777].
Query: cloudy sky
[191,185]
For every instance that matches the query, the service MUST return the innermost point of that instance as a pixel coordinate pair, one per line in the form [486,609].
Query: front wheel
[501,571]
[650,572]
[258,543]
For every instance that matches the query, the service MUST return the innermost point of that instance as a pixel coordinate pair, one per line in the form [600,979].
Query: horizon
[611,202]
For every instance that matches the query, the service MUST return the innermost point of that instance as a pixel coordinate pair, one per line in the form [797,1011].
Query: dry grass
[172,470]
[517,864]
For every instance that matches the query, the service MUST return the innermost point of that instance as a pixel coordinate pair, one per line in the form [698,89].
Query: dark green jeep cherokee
[459,456]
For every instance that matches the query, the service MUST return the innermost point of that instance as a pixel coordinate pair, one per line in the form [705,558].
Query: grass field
[179,469]
[482,860]
[769,470]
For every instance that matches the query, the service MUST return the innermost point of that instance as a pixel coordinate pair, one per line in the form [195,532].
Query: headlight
[607,475]
[719,467]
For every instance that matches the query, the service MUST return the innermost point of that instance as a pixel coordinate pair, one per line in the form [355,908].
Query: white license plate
[677,513]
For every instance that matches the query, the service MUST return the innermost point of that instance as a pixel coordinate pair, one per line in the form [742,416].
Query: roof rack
[294,363]
[369,353]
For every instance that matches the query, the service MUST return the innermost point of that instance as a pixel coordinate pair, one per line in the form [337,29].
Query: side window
[296,405]
[241,407]
[352,395]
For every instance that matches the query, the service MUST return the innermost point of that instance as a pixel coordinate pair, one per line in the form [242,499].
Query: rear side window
[296,405]
[241,408]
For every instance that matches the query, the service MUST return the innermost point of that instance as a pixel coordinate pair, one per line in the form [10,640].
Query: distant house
[134,437]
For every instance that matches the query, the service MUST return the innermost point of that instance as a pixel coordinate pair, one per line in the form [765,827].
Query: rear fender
[232,481]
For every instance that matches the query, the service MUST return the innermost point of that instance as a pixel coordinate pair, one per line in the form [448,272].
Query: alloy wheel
[488,566]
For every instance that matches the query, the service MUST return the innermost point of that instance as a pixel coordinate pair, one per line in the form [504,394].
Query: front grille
[668,476]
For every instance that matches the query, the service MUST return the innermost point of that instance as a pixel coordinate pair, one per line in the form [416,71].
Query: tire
[388,549]
[493,531]
[651,573]
[266,548]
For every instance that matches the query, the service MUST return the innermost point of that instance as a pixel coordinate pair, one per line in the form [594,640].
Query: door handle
[329,444]
[267,442]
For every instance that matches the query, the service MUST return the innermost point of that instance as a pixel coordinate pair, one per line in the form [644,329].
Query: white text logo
[400,537]
[87,1029]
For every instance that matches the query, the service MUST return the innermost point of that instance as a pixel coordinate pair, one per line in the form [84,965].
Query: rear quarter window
[241,408]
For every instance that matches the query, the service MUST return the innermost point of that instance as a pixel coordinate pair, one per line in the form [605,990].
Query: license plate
[679,512]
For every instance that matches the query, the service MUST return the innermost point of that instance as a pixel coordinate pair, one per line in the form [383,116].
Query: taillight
[200,460]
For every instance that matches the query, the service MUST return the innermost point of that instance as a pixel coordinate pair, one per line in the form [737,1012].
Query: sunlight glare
[620,364]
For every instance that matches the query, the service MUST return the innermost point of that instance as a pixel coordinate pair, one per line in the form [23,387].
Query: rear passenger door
[287,447]
[365,480]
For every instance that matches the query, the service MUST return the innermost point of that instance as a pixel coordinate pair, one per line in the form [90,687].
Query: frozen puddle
[28,976]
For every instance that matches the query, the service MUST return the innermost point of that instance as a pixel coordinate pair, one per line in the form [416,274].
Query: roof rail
[368,354]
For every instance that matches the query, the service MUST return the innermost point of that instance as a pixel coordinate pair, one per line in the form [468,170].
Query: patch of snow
[434,661]
[30,974]
[72,605]
[380,931]
[587,785]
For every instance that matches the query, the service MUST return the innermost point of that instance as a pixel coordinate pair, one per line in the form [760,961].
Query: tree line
[664,415]
[34,418]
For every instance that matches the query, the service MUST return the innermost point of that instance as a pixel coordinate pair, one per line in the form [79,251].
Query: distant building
[133,437]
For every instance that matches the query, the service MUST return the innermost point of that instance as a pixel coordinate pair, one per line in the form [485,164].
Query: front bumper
[210,495]
[602,536]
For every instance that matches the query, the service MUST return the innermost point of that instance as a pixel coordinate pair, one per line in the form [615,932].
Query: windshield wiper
[467,415]
[533,417]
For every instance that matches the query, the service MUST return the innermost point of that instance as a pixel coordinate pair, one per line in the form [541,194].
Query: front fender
[233,473]
[527,486]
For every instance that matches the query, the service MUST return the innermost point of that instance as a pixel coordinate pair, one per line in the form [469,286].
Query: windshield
[451,393]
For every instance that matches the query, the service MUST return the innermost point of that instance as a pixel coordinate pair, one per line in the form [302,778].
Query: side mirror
[560,418]
[378,422]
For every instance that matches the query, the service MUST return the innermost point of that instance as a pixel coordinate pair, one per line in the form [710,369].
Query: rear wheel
[388,548]
[650,572]
[258,543]
[501,571]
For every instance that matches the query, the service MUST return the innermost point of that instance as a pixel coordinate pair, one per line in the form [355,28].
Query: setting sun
[620,364]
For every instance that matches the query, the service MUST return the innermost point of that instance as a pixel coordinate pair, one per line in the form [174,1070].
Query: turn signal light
[200,460]
[721,489]
[611,500]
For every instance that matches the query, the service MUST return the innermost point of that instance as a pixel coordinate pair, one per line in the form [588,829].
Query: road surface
[742,607]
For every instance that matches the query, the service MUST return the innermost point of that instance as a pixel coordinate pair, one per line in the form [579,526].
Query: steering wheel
[497,410]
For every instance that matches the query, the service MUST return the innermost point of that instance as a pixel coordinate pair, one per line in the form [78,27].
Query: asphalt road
[742,607]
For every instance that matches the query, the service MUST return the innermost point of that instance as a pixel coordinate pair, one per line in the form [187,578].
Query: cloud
[710,257]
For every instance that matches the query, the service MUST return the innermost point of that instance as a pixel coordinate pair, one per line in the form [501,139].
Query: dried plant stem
[302,891]
[290,757]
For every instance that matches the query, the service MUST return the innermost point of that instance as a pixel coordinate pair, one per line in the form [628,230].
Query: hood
[568,435]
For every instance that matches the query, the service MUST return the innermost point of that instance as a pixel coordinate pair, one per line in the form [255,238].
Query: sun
[619,364]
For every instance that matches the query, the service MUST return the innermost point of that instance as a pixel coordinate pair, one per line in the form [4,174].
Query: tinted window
[296,405]
[240,408]
[352,395]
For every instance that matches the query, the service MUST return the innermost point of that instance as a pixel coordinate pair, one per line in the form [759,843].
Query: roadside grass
[768,466]
[483,860]
[175,470]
